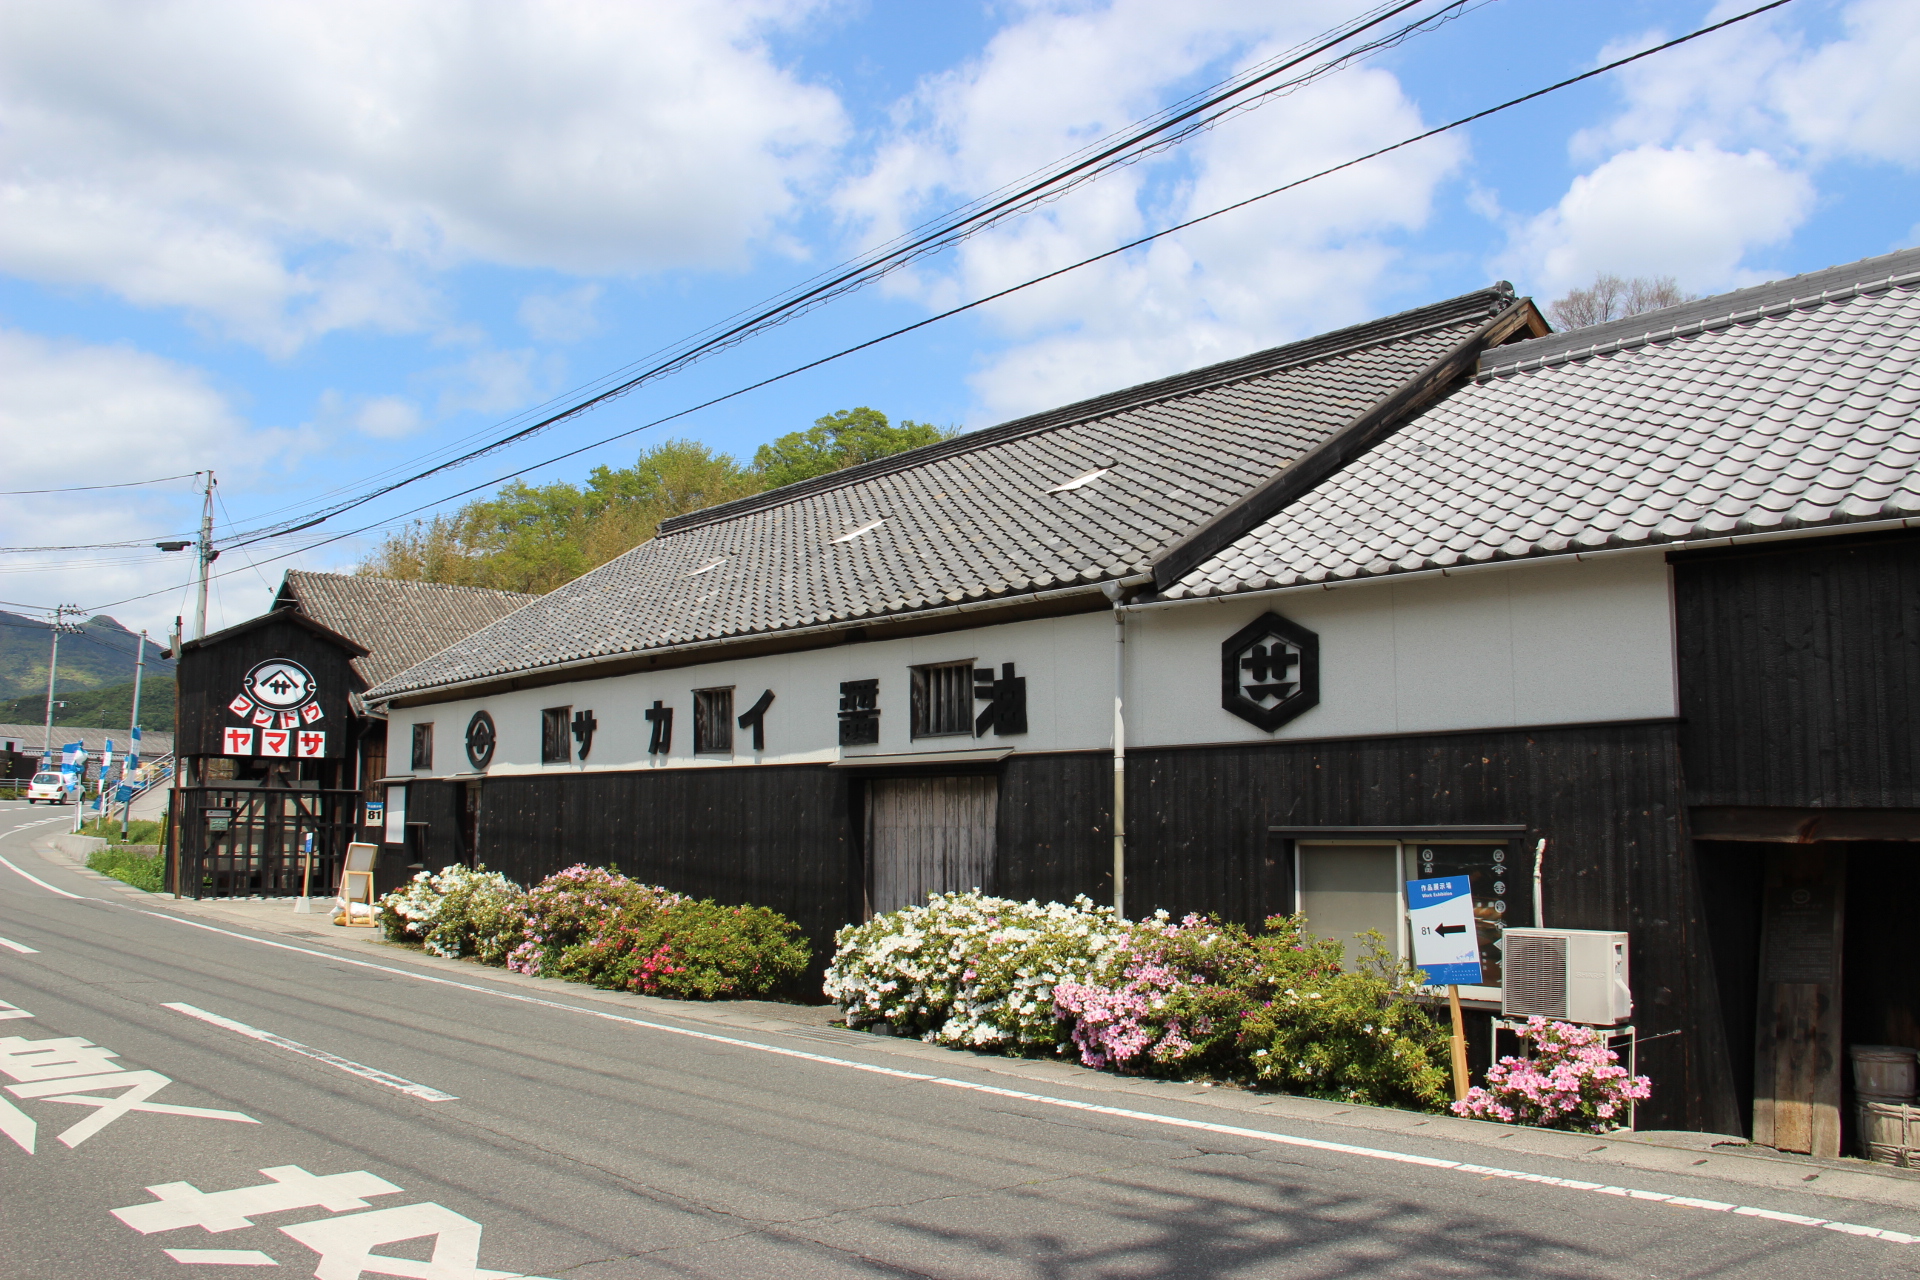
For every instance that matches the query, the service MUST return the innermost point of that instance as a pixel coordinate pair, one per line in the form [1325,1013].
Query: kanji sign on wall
[1270,671]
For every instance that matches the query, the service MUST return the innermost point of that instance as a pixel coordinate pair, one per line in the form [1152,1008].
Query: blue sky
[303,244]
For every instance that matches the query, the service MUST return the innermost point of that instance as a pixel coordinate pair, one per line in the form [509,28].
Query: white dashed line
[408,1087]
[11,945]
[1148,1117]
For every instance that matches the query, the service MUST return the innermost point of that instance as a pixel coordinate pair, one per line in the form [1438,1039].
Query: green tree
[534,538]
[842,439]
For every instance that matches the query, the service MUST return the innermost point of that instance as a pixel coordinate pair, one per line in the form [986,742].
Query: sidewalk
[1665,1151]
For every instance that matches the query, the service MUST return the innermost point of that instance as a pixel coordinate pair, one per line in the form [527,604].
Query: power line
[86,488]
[977,302]
[1123,147]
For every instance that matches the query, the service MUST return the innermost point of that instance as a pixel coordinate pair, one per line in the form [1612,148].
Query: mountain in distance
[106,708]
[98,657]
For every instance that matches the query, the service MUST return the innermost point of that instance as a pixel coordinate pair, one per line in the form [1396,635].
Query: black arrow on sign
[1444,929]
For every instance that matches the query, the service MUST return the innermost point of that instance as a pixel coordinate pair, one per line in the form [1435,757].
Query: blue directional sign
[1446,939]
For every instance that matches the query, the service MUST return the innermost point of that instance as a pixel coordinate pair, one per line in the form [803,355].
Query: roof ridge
[1305,351]
[1705,325]
[359,578]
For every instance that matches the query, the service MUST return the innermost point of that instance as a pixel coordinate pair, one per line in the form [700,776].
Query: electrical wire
[1124,147]
[1132,244]
[87,488]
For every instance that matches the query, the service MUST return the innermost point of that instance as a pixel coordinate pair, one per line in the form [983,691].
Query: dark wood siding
[1056,834]
[1606,798]
[771,835]
[209,678]
[1799,671]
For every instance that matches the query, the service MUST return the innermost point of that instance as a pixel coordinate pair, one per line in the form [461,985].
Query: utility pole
[133,727]
[53,665]
[207,556]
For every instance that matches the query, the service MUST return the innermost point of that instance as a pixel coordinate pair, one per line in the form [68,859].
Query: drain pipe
[1115,592]
[1539,894]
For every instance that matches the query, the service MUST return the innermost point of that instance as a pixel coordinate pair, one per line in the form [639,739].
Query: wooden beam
[1340,448]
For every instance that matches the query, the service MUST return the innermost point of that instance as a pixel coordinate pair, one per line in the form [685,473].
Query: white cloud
[79,414]
[562,317]
[1719,146]
[1689,212]
[286,170]
[1062,76]
[387,417]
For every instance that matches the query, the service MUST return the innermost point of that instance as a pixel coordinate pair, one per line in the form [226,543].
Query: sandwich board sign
[1446,939]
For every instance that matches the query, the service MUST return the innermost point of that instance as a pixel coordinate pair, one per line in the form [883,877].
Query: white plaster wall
[1551,642]
[1066,663]
[1554,642]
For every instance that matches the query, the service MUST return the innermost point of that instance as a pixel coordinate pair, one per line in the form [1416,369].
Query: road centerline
[1148,1117]
[411,1088]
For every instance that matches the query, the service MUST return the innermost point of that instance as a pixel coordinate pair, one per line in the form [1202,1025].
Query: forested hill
[108,708]
[98,657]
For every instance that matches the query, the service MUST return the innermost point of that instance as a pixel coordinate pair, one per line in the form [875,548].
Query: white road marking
[222,1257]
[1148,1117]
[11,945]
[408,1087]
[181,1204]
[8,1011]
[43,884]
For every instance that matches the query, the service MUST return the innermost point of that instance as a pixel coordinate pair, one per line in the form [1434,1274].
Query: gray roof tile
[1732,425]
[971,518]
[397,622]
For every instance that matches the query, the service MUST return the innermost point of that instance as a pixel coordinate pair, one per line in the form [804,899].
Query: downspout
[1116,593]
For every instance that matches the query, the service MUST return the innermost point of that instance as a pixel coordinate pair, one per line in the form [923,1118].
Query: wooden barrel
[1889,1133]
[1883,1072]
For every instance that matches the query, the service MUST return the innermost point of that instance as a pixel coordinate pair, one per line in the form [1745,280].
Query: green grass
[142,871]
[139,831]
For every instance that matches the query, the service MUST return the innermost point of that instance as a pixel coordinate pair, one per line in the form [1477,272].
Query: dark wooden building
[1616,622]
[276,743]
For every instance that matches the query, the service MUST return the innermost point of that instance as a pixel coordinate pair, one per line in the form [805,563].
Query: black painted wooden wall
[788,837]
[211,670]
[1606,798]
[1799,672]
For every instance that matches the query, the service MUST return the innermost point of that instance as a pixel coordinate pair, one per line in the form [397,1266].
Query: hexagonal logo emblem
[1270,671]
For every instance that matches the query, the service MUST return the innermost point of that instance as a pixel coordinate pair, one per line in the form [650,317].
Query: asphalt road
[455,1126]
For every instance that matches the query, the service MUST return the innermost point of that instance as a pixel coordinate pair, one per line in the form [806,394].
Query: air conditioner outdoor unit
[1572,975]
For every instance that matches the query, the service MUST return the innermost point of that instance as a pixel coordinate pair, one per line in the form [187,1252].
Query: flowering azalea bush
[592,924]
[700,950]
[1174,1004]
[1319,1024]
[571,915]
[1572,1080]
[457,911]
[969,969]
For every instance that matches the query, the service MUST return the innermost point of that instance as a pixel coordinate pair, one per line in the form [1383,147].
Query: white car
[51,787]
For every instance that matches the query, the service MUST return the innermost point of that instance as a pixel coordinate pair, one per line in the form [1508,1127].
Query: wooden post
[1797,1050]
[1459,1045]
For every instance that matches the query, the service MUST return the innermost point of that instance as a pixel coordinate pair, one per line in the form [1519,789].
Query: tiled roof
[1770,409]
[398,623]
[1076,496]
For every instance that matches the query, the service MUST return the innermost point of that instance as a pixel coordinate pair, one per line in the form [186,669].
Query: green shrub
[139,831]
[1318,1025]
[969,969]
[703,951]
[141,870]
[1170,1003]
[457,912]
[572,918]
